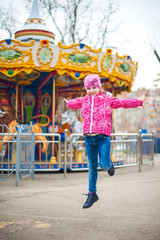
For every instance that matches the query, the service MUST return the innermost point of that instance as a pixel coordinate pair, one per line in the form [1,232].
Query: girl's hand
[109,94]
[65,100]
[143,98]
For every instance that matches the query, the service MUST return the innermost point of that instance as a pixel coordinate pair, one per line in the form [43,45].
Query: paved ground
[49,207]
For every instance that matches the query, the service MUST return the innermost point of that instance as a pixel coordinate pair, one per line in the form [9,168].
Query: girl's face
[92,91]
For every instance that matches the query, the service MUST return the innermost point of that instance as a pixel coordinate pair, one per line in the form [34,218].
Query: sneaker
[92,198]
[111,171]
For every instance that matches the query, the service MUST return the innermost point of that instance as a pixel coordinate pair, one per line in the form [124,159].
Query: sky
[142,19]
[140,27]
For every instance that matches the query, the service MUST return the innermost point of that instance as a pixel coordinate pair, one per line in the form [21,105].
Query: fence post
[32,155]
[65,153]
[140,150]
[152,147]
[18,154]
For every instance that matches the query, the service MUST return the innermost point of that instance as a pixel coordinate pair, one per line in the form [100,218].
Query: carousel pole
[53,109]
[81,88]
[112,124]
[58,120]
[17,88]
[112,108]
[53,102]
[22,103]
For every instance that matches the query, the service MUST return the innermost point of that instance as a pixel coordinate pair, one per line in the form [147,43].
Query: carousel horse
[7,117]
[77,127]
[70,118]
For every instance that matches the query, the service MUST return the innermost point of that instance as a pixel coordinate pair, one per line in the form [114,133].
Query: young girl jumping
[96,113]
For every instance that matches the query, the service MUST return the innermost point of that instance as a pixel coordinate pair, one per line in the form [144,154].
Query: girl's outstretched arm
[126,103]
[143,98]
[74,103]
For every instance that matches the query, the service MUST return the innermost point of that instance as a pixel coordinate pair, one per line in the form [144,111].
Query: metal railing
[124,149]
[7,146]
[157,144]
[127,149]
[47,161]
[17,152]
[25,152]
[76,152]
[146,149]
[51,160]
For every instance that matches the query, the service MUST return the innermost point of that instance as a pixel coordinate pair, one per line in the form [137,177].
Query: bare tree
[82,20]
[75,21]
[154,41]
[8,20]
[155,48]
[157,55]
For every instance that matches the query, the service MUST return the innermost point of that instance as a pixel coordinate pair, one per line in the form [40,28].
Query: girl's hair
[108,93]
[102,90]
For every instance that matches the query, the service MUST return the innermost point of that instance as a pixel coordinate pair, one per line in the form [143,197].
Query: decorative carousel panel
[13,101]
[45,106]
[15,54]
[135,68]
[22,77]
[44,55]
[29,103]
[10,54]
[65,80]
[106,63]
[77,60]
[124,68]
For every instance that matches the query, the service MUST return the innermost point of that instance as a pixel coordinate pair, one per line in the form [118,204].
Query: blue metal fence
[25,152]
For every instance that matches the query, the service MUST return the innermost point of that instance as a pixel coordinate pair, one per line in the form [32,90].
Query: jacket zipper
[104,113]
[91,115]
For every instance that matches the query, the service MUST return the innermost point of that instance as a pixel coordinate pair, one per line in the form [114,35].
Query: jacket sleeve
[74,103]
[125,103]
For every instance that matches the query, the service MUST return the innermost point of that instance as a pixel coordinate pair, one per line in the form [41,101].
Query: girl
[96,113]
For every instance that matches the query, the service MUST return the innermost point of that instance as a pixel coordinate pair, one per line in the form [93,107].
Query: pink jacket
[96,111]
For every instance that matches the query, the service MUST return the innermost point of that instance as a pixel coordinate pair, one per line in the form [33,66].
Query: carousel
[36,75]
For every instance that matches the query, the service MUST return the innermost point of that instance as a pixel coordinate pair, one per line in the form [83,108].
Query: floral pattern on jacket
[96,111]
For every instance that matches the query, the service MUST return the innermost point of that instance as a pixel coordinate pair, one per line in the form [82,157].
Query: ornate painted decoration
[29,103]
[45,105]
[64,80]
[79,58]
[22,77]
[15,56]
[106,62]
[44,55]
[9,54]
[13,101]
[124,67]
[76,60]
[24,62]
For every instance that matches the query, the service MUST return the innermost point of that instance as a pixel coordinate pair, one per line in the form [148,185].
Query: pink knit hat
[92,80]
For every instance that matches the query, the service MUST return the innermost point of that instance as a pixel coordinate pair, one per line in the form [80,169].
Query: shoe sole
[111,171]
[92,203]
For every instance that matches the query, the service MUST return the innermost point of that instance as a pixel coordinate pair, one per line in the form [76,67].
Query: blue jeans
[98,145]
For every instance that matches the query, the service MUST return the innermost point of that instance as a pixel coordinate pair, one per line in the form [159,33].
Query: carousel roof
[35,27]
[33,63]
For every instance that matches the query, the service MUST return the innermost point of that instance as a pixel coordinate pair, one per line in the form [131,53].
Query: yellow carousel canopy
[30,59]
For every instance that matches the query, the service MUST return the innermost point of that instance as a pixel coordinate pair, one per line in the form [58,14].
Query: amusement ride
[36,74]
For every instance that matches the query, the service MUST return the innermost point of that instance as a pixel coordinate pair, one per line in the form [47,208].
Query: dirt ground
[49,207]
